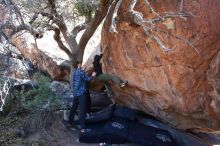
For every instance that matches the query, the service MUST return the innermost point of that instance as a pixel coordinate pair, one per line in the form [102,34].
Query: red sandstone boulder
[181,87]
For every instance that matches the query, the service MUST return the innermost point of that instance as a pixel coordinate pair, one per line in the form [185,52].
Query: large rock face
[181,87]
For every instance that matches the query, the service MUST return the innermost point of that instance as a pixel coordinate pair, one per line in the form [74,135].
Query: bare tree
[38,16]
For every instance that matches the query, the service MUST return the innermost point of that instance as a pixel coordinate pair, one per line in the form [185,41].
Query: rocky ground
[58,135]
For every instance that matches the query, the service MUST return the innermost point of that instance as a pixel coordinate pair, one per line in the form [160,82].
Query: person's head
[97,58]
[79,64]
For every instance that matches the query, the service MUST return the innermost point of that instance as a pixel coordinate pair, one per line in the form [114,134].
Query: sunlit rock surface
[181,87]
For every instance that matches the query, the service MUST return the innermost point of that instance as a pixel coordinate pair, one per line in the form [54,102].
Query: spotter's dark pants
[82,102]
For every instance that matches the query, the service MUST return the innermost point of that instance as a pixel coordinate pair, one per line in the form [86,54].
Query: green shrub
[39,96]
[30,100]
[86,7]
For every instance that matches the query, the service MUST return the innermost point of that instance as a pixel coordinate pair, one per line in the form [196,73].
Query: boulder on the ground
[180,86]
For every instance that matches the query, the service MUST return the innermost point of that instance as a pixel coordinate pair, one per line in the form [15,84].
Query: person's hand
[84,68]
[93,74]
[90,68]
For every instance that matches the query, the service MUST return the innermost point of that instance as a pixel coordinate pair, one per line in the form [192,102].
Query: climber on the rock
[106,78]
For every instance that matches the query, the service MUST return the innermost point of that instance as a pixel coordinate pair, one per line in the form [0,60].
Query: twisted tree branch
[16,29]
[77,29]
[99,16]
[112,27]
[34,18]
[151,9]
[148,26]
[181,6]
[10,4]
[57,38]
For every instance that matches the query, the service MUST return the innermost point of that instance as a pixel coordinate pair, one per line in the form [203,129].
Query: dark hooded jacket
[97,66]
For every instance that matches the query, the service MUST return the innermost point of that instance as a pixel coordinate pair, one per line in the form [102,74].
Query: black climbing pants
[80,101]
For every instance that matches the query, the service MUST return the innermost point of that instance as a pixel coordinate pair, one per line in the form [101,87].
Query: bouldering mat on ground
[150,136]
[97,135]
[99,116]
[117,126]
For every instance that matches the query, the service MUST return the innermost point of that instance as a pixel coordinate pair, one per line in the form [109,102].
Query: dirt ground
[68,137]
[56,135]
